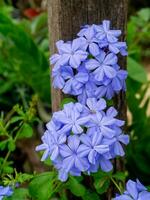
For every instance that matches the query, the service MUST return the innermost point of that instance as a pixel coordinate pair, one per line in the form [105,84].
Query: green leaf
[75,187]
[15,119]
[102,181]
[144,14]
[100,174]
[148,188]
[11,145]
[32,71]
[21,178]
[120,176]
[5,86]
[39,23]
[41,187]
[3,144]
[90,195]
[131,32]
[102,185]
[67,100]
[19,194]
[136,71]
[8,170]
[26,131]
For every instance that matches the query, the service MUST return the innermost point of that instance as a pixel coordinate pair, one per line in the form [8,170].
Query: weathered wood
[65,19]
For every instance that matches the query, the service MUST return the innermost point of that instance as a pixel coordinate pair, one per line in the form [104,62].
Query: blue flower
[71,118]
[90,42]
[92,146]
[102,66]
[134,191]
[83,30]
[118,82]
[46,146]
[105,91]
[116,147]
[72,158]
[62,173]
[58,80]
[110,87]
[71,53]
[5,192]
[88,90]
[118,47]
[102,124]
[115,143]
[74,83]
[56,57]
[51,144]
[95,105]
[104,32]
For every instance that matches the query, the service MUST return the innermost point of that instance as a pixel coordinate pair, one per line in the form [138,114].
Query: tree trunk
[65,18]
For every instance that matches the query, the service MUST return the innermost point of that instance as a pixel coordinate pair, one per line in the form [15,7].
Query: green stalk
[9,152]
[117,186]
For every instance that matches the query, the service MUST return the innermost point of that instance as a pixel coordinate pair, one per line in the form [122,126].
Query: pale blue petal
[111,112]
[76,129]
[106,25]
[91,64]
[92,156]
[68,163]
[63,175]
[110,72]
[54,153]
[110,59]
[118,149]
[73,142]
[65,150]
[94,49]
[106,165]
[83,150]
[81,164]
[132,189]
[144,195]
[124,139]
[101,149]
[107,132]
[75,60]
[123,197]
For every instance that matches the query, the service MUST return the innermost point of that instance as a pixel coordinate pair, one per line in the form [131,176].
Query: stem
[21,92]
[5,160]
[56,188]
[9,115]
[117,186]
[9,152]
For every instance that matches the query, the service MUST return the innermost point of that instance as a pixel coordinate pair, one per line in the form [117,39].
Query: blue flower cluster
[5,192]
[134,191]
[87,66]
[85,136]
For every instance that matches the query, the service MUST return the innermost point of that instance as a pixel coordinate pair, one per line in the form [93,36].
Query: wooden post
[65,18]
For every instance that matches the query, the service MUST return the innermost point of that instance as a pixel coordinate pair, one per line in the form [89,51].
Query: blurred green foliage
[17,124]
[24,68]
[138,96]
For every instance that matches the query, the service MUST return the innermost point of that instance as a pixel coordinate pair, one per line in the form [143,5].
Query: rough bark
[65,18]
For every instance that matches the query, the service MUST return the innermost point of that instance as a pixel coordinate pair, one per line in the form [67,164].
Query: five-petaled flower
[134,191]
[5,192]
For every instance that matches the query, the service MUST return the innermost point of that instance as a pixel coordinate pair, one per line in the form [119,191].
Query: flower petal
[132,189]
[73,142]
